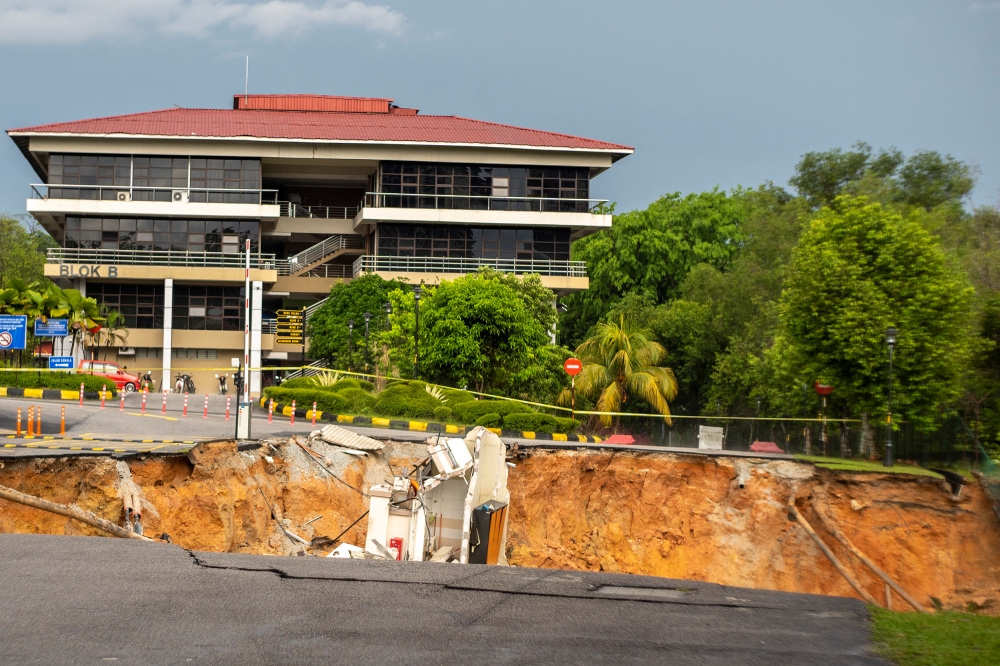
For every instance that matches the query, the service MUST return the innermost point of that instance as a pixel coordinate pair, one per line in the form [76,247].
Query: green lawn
[849,465]
[942,639]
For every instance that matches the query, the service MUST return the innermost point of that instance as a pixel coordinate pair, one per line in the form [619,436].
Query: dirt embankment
[722,520]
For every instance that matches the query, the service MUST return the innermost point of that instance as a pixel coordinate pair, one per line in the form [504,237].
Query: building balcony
[488,210]
[158,265]
[560,276]
[50,201]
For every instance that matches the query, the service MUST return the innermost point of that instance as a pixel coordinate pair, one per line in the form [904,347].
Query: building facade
[152,212]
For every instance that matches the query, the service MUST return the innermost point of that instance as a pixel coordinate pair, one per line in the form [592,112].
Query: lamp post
[756,424]
[890,339]
[368,318]
[350,343]
[416,332]
[388,311]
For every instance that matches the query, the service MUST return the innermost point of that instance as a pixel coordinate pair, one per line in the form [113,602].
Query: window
[200,308]
[172,234]
[201,354]
[460,186]
[215,180]
[141,304]
[148,352]
[442,240]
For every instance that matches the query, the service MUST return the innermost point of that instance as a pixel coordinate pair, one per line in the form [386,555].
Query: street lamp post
[416,332]
[368,318]
[350,343]
[756,424]
[890,339]
[388,311]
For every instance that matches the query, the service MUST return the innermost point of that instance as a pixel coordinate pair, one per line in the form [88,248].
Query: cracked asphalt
[89,600]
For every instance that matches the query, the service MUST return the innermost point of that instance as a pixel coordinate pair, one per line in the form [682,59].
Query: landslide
[716,519]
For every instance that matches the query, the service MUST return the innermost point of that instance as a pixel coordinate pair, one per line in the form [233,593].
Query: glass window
[147,234]
[141,305]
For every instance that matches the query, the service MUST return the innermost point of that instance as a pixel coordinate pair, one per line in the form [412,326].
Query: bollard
[314,415]
[122,408]
[164,410]
[18,421]
[185,404]
[144,393]
[205,415]
[270,411]
[293,412]
[81,394]
[103,391]
[31,421]
[228,399]
[38,423]
[62,421]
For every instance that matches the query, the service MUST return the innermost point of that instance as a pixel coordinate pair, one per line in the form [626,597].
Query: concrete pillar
[80,284]
[256,300]
[168,330]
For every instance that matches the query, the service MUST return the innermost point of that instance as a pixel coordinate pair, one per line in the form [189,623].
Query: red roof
[321,126]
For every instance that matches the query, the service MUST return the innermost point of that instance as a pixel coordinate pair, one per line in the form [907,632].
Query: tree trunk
[845,440]
[867,437]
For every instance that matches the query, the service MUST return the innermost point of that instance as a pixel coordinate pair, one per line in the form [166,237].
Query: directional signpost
[13,331]
[60,362]
[291,325]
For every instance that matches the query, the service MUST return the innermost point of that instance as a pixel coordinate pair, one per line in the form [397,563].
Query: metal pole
[350,344]
[368,318]
[416,332]
[243,401]
[888,421]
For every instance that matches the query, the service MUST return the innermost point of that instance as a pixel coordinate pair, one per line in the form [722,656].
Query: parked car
[123,380]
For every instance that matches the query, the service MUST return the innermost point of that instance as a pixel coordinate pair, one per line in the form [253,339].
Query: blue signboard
[60,362]
[13,331]
[53,328]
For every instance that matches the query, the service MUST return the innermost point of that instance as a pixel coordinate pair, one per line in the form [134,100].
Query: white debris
[345,550]
[343,437]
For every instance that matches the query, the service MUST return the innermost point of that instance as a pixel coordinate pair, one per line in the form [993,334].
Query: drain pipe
[831,527]
[74,512]
[793,514]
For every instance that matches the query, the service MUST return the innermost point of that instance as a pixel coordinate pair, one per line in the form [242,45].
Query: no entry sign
[573,366]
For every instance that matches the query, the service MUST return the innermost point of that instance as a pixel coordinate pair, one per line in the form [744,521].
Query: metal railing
[314,368]
[378,264]
[67,255]
[297,263]
[269,326]
[474,202]
[289,209]
[329,271]
[125,193]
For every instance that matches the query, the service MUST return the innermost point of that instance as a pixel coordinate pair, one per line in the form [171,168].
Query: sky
[711,93]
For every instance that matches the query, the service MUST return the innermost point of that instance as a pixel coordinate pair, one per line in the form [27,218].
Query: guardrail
[379,264]
[473,202]
[289,209]
[162,194]
[65,255]
[294,264]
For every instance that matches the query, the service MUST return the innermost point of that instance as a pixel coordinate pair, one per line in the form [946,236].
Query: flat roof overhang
[195,274]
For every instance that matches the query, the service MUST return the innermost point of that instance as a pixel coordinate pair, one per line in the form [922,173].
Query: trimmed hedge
[491,420]
[469,412]
[326,401]
[442,413]
[56,380]
[307,383]
[456,396]
[539,423]
[408,399]
[358,400]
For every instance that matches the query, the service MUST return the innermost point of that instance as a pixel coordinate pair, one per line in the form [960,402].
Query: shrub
[407,399]
[566,424]
[326,401]
[442,413]
[358,401]
[65,381]
[491,420]
[469,412]
[307,383]
[456,396]
[539,423]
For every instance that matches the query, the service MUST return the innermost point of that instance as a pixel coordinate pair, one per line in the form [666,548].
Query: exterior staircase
[320,253]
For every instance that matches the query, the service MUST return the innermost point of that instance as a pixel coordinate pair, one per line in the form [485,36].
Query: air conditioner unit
[126,351]
[179,196]
[123,196]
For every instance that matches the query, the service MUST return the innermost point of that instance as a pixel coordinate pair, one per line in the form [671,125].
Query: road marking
[152,416]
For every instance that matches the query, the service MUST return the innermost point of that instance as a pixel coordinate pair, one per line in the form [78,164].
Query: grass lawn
[942,639]
[849,465]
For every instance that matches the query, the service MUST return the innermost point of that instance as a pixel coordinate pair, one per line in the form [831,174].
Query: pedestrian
[223,389]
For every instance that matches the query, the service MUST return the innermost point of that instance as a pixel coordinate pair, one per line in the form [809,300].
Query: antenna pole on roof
[246,84]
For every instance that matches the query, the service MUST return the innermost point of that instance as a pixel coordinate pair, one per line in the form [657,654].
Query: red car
[123,380]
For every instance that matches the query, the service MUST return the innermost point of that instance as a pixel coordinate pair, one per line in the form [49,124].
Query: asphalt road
[92,600]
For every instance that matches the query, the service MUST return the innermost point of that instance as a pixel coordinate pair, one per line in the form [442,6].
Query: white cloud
[75,21]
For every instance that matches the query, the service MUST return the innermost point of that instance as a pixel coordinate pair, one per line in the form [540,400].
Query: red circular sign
[573,366]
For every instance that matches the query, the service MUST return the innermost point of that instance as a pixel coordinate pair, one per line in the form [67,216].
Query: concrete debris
[333,434]
[442,554]
[345,550]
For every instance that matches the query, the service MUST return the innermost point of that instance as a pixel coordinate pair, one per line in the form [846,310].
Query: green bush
[304,398]
[491,420]
[358,400]
[407,399]
[539,423]
[456,396]
[469,412]
[442,413]
[56,380]
[308,383]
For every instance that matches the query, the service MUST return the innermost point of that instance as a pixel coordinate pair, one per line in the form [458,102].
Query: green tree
[22,251]
[857,270]
[620,361]
[328,330]
[650,252]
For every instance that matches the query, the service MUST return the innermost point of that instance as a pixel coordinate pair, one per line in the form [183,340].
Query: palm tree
[83,313]
[620,361]
[114,331]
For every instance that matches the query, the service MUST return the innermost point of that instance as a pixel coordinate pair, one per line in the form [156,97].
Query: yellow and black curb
[421,426]
[96,444]
[51,394]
